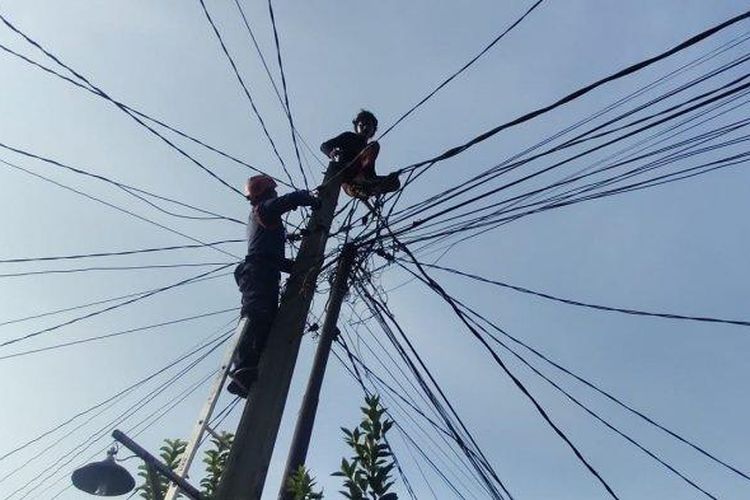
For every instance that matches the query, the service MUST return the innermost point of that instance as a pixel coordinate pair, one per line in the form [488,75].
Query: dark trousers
[254,341]
[259,286]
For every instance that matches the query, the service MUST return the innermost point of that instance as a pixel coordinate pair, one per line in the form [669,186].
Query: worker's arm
[276,207]
[331,145]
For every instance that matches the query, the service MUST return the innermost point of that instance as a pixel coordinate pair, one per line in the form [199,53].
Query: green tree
[367,473]
[215,458]
[301,485]
[170,454]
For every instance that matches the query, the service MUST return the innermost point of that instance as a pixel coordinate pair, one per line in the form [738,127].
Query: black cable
[462,69]
[585,304]
[520,197]
[515,161]
[358,378]
[119,105]
[574,195]
[161,412]
[111,205]
[117,253]
[245,89]
[483,466]
[112,268]
[89,304]
[713,73]
[211,215]
[180,358]
[576,156]
[689,145]
[104,431]
[116,334]
[131,190]
[581,92]
[153,393]
[595,415]
[373,377]
[399,375]
[150,118]
[156,416]
[443,294]
[412,442]
[609,396]
[110,308]
[310,150]
[507,164]
[287,107]
[547,204]
[649,183]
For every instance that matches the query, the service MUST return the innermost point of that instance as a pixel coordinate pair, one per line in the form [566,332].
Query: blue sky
[679,248]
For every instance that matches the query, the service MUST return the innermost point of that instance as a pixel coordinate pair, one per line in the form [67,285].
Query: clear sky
[678,248]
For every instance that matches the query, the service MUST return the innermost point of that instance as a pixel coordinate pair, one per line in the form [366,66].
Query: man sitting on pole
[357,155]
[258,276]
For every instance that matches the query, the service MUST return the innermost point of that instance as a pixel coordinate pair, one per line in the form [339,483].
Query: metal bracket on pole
[201,426]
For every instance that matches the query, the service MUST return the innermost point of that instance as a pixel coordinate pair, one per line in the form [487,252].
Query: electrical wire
[117,334]
[46,272]
[98,302]
[287,107]
[111,205]
[193,350]
[599,307]
[443,294]
[462,68]
[109,308]
[118,105]
[141,114]
[103,431]
[245,89]
[581,92]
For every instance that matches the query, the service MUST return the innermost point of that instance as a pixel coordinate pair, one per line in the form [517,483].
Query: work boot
[389,183]
[242,381]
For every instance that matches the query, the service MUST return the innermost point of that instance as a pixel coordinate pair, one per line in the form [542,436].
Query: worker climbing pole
[277,333]
[358,153]
[259,274]
[248,460]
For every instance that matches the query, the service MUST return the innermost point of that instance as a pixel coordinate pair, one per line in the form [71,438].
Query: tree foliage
[302,486]
[367,472]
[170,454]
[214,458]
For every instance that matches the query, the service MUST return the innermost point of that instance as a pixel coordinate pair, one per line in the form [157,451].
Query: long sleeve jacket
[356,150]
[265,229]
[259,275]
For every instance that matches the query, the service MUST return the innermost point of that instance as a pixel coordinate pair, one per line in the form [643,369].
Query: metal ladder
[201,425]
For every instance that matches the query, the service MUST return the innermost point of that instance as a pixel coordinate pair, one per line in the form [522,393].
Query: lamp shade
[104,479]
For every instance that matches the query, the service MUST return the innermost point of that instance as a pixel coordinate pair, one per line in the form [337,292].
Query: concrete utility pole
[306,418]
[248,460]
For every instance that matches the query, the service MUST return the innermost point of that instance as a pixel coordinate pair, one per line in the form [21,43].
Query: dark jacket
[259,275]
[352,146]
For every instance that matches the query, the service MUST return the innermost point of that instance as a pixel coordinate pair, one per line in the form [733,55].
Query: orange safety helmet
[257,186]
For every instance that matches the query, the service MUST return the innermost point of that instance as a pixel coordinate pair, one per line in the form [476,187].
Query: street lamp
[105,478]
